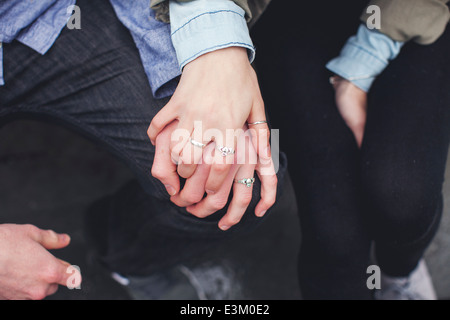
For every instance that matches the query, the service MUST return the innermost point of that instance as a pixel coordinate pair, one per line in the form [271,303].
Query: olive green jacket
[422,21]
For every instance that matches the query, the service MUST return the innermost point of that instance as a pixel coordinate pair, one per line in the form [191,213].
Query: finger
[358,132]
[269,184]
[165,116]
[57,271]
[214,202]
[192,153]
[260,131]
[163,167]
[242,196]
[179,139]
[224,157]
[49,239]
[68,275]
[194,188]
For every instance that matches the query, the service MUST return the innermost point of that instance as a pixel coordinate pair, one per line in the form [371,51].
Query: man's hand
[352,105]
[27,269]
[220,92]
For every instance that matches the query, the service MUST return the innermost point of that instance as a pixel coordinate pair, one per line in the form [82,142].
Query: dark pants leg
[404,154]
[390,190]
[92,80]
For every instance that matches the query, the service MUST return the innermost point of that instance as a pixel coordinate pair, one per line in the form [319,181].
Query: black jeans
[389,191]
[92,81]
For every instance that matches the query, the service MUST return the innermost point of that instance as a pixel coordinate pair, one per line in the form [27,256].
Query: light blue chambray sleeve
[364,57]
[202,26]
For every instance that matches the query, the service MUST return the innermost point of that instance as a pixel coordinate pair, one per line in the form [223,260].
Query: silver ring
[248,182]
[257,122]
[196,143]
[225,150]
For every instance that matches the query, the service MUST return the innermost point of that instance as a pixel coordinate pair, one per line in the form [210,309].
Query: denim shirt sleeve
[364,57]
[202,26]
[35,24]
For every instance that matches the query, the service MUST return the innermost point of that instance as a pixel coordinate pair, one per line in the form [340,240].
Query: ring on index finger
[196,143]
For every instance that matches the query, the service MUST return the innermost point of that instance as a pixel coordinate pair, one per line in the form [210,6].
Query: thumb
[70,275]
[49,239]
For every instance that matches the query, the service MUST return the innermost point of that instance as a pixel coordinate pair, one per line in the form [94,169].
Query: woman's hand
[352,105]
[217,94]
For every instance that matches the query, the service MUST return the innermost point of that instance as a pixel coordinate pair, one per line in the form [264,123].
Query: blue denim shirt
[36,24]
[196,27]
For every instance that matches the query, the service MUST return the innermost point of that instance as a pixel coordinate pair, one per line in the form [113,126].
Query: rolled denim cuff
[203,26]
[364,57]
[358,66]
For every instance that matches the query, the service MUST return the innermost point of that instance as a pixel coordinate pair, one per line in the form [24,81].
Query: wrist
[227,59]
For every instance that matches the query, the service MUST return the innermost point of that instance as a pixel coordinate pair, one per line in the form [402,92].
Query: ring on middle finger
[225,150]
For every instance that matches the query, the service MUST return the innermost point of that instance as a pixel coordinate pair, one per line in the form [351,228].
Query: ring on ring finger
[248,182]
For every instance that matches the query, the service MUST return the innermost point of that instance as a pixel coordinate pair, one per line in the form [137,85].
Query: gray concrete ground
[49,175]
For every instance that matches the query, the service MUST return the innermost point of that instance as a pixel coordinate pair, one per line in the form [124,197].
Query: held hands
[217,95]
[351,102]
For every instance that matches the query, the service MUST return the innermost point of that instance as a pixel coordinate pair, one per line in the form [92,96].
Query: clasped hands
[203,135]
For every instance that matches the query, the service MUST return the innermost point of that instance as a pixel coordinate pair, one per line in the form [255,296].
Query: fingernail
[63,237]
[210,192]
[262,213]
[224,227]
[170,190]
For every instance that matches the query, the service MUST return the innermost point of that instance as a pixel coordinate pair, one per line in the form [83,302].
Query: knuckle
[245,198]
[273,180]
[157,172]
[31,230]
[270,202]
[30,227]
[37,293]
[51,274]
[234,220]
[264,132]
[219,203]
[156,124]
[194,197]
[221,168]
[199,214]
[185,170]
[51,234]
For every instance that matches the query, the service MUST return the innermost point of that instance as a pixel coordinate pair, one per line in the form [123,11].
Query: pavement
[49,176]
